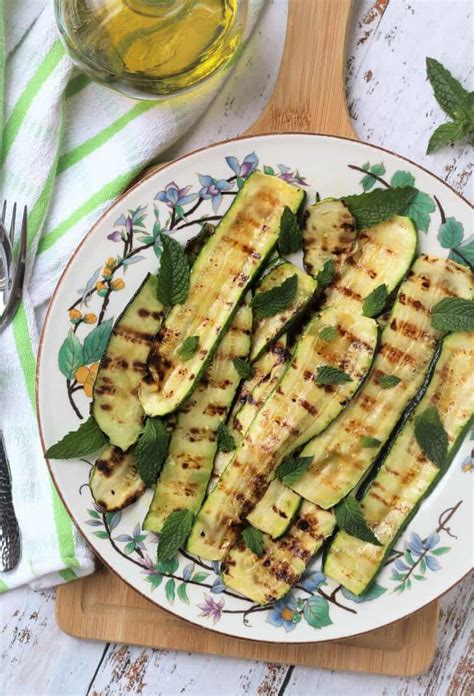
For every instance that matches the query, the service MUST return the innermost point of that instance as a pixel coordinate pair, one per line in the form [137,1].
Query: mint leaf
[431,436]
[366,441]
[375,301]
[331,375]
[225,440]
[326,274]
[350,518]
[173,275]
[449,93]
[453,314]
[328,333]
[274,301]
[446,134]
[86,439]
[243,367]
[151,450]
[291,469]
[253,540]
[378,205]
[388,381]
[175,531]
[188,347]
[291,235]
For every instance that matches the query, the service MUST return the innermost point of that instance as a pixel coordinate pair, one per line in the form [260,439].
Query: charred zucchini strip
[267,329]
[274,512]
[407,475]
[271,576]
[225,267]
[267,371]
[185,475]
[407,347]
[329,234]
[116,406]
[114,480]
[298,408]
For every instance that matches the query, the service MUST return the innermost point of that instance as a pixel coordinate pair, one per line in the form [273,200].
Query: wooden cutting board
[309,97]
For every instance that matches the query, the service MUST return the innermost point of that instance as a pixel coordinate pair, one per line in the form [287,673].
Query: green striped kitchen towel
[69,148]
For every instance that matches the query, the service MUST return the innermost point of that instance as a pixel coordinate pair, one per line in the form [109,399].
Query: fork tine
[12,224]
[4,211]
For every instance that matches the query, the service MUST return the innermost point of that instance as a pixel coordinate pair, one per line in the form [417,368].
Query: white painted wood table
[392,105]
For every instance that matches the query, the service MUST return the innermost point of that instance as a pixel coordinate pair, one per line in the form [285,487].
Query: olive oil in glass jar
[151,48]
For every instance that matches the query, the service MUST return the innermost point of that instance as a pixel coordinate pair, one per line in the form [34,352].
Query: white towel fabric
[70,147]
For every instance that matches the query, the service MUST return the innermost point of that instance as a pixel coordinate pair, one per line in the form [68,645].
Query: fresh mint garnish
[453,314]
[388,381]
[189,347]
[350,518]
[243,367]
[88,438]
[328,333]
[176,530]
[225,440]
[173,275]
[326,274]
[431,436]
[292,468]
[455,101]
[366,441]
[267,304]
[151,450]
[331,375]
[253,540]
[291,235]
[375,301]
[371,208]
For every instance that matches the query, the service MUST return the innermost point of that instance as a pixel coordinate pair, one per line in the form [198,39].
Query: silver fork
[12,276]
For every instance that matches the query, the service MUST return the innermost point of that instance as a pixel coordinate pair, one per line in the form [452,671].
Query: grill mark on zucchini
[329,233]
[114,480]
[339,460]
[405,477]
[186,472]
[276,430]
[216,287]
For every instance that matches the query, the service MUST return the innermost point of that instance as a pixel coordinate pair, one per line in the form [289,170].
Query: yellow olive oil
[150,48]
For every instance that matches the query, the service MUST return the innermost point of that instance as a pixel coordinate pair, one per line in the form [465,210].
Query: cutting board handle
[310,94]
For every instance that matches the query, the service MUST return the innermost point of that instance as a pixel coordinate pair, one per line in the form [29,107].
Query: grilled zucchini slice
[275,511]
[270,577]
[407,476]
[267,370]
[407,347]
[329,234]
[297,409]
[382,254]
[267,329]
[114,480]
[116,406]
[185,474]
[227,264]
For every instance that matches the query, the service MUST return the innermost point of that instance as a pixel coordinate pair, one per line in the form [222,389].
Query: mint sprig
[388,381]
[291,235]
[331,375]
[350,518]
[453,314]
[151,450]
[326,274]
[292,468]
[176,530]
[455,101]
[273,301]
[328,333]
[173,276]
[375,301]
[225,440]
[253,540]
[188,348]
[371,208]
[431,436]
[88,438]
[243,367]
[366,441]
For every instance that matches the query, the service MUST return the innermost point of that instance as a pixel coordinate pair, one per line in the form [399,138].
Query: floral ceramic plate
[108,266]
